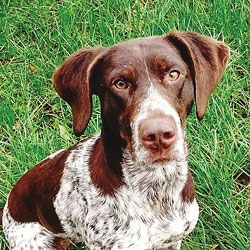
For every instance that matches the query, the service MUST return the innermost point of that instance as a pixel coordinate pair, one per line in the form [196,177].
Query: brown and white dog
[128,187]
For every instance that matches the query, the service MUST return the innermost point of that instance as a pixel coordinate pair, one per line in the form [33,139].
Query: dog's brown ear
[71,83]
[207,59]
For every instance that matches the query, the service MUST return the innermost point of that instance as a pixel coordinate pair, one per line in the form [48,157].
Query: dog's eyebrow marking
[147,72]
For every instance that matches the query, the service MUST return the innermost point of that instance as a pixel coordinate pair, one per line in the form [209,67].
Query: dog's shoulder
[31,199]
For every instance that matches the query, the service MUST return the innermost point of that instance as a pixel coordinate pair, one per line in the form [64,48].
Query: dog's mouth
[150,157]
[161,160]
[160,154]
[160,157]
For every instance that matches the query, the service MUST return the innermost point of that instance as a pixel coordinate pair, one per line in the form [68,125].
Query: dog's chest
[126,222]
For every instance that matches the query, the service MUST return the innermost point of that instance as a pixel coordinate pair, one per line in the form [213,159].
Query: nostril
[151,137]
[168,135]
[158,134]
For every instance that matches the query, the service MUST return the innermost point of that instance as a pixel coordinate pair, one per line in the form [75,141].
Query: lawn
[36,36]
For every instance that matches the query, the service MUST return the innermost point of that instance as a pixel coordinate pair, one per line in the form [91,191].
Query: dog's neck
[112,151]
[112,166]
[105,163]
[157,183]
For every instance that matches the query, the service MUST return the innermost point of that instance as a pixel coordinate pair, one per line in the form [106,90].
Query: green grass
[36,36]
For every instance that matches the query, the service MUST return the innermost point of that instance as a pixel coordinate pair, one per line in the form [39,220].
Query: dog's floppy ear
[71,83]
[207,59]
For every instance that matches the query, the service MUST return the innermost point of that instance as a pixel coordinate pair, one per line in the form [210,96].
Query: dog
[128,187]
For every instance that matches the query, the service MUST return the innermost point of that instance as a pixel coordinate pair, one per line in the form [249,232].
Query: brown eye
[121,84]
[174,75]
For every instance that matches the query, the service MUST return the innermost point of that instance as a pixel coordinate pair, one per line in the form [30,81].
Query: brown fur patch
[103,176]
[188,191]
[31,199]
[61,244]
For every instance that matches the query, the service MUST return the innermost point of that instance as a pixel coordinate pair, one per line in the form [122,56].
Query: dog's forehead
[140,50]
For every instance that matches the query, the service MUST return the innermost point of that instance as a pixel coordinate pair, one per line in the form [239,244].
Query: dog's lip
[161,156]
[160,160]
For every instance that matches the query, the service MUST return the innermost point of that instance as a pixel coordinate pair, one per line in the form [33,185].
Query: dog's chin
[155,162]
[153,159]
[160,160]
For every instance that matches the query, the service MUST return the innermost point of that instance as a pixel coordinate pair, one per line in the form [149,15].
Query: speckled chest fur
[128,187]
[142,215]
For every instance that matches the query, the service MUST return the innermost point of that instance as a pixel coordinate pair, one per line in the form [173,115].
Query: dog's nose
[157,133]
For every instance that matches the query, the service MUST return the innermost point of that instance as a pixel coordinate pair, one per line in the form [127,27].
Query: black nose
[157,133]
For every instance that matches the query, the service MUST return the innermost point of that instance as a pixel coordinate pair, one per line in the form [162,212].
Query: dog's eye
[174,75]
[121,84]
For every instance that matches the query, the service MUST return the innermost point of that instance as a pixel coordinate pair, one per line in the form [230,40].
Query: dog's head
[146,86]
